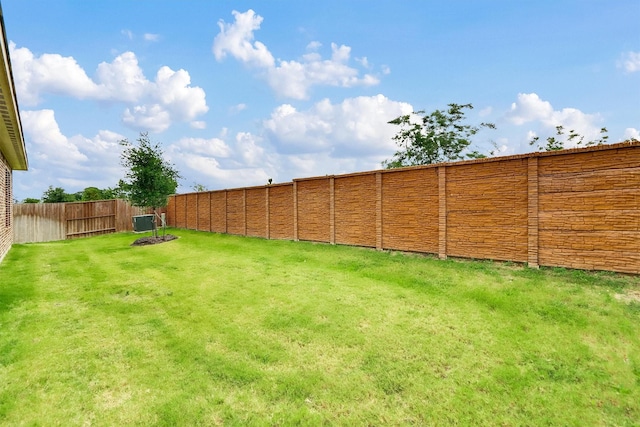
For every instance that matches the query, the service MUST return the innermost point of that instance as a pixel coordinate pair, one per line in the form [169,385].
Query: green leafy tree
[150,179]
[199,187]
[57,195]
[117,192]
[91,193]
[438,137]
[558,142]
[31,200]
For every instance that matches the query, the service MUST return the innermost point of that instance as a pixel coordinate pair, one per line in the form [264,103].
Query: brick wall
[410,210]
[219,211]
[589,210]
[6,202]
[204,211]
[281,211]
[236,223]
[487,210]
[256,201]
[576,208]
[355,210]
[313,203]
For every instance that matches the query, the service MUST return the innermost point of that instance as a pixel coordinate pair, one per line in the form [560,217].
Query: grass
[223,330]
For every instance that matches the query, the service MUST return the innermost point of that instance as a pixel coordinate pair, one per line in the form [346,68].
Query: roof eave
[12,143]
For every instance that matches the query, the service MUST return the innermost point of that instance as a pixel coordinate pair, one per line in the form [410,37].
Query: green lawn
[214,329]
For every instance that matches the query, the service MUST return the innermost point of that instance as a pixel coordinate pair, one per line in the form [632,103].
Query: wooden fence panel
[86,219]
[43,222]
[39,222]
[125,213]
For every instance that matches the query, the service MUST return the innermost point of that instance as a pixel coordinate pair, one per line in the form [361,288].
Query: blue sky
[238,92]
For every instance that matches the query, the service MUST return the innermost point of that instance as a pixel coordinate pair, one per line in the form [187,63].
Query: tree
[558,141]
[199,187]
[57,195]
[438,137]
[150,179]
[31,200]
[92,193]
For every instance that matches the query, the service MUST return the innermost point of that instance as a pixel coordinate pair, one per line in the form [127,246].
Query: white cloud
[328,138]
[47,141]
[248,145]
[127,33]
[237,108]
[153,118]
[51,73]
[122,79]
[630,62]
[631,133]
[213,147]
[198,124]
[173,90]
[242,163]
[102,168]
[314,45]
[150,105]
[151,37]
[71,162]
[291,78]
[530,109]
[223,177]
[357,126]
[485,111]
[237,40]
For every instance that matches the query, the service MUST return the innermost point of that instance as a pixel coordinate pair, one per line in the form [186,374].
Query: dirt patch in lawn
[632,295]
[151,240]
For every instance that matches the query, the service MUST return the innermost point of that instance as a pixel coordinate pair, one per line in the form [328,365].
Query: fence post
[332,211]
[198,211]
[268,233]
[295,211]
[244,210]
[442,212]
[379,211]
[186,212]
[210,215]
[532,211]
[226,213]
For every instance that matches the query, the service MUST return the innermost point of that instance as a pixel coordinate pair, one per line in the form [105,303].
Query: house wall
[6,207]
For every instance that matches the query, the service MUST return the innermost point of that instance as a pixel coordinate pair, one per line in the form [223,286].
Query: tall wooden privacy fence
[576,208]
[44,222]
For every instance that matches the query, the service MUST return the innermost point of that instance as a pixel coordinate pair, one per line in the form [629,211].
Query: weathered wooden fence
[575,208]
[43,222]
